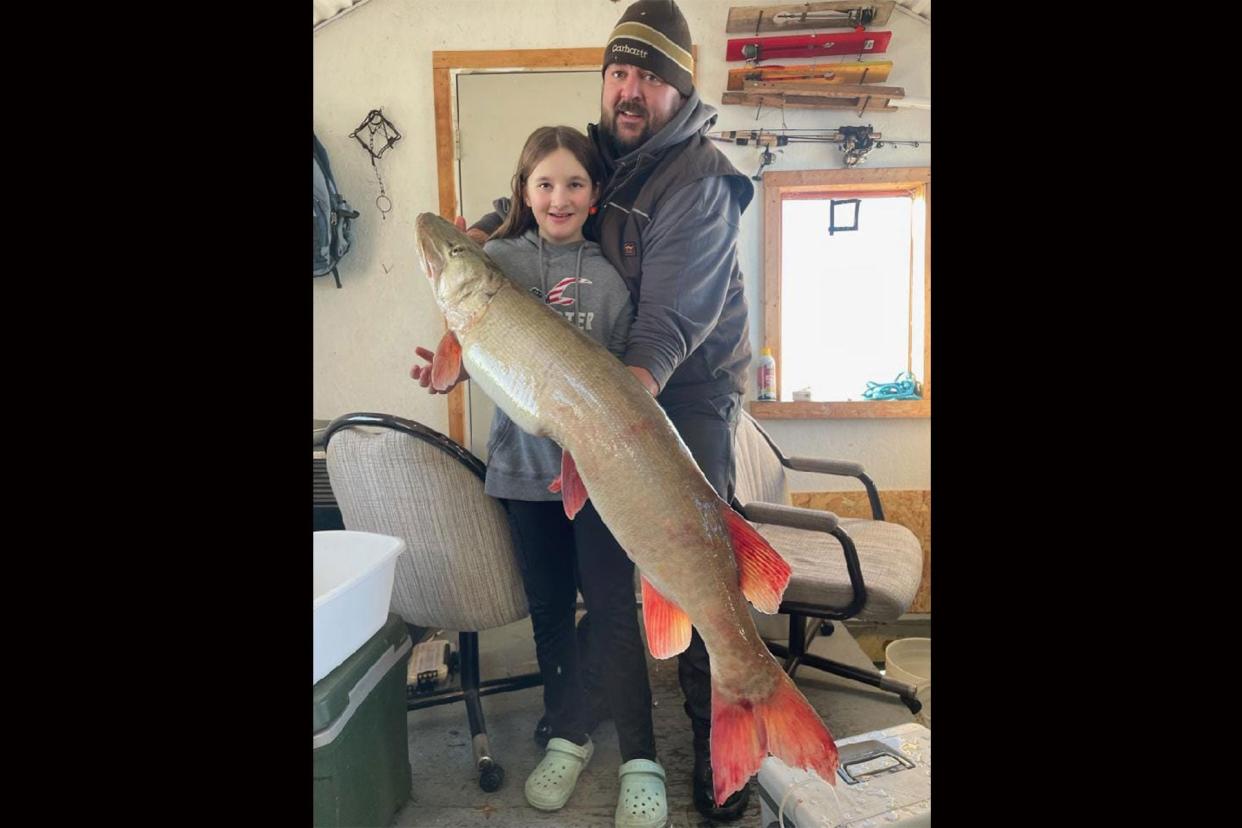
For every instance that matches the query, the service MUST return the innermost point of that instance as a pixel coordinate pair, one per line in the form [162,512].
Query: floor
[444,785]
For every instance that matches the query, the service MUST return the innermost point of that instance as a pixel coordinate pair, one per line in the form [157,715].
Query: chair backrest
[459,570]
[758,470]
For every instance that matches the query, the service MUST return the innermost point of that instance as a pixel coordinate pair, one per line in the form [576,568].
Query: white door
[496,112]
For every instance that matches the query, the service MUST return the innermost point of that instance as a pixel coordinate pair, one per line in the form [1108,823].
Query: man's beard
[619,145]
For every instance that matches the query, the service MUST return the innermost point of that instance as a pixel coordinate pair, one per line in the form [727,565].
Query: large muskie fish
[700,561]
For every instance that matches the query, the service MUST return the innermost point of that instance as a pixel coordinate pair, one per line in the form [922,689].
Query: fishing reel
[857,143]
[765,160]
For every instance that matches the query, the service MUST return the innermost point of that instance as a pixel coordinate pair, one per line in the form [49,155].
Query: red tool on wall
[808,45]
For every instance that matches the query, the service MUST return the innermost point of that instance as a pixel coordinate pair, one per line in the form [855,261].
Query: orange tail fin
[784,724]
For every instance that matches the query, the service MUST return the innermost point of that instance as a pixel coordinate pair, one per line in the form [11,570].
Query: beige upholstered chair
[842,567]
[458,572]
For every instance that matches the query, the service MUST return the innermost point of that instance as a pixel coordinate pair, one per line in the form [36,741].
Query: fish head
[462,276]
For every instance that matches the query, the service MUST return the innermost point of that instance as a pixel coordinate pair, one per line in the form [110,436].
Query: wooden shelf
[864,410]
[861,71]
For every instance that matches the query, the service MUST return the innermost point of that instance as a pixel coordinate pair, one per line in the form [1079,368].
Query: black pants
[557,556]
[707,427]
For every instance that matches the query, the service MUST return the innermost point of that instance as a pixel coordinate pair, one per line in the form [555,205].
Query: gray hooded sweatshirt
[576,280]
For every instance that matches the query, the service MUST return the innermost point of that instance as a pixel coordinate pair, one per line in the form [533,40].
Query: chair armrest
[844,468]
[320,431]
[821,465]
[794,517]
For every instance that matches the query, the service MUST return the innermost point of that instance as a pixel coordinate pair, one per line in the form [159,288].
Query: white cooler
[884,779]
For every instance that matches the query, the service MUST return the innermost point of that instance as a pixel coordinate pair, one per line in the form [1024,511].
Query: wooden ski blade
[855,71]
[840,90]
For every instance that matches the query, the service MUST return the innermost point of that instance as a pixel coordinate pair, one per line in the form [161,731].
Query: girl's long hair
[539,145]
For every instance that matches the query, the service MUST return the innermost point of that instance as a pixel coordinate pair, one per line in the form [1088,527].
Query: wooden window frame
[779,187]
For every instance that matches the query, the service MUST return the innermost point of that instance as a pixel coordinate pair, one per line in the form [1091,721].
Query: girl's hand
[477,235]
[422,373]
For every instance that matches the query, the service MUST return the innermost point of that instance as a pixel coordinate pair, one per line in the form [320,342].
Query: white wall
[380,56]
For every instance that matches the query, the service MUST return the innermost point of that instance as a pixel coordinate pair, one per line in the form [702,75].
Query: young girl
[541,247]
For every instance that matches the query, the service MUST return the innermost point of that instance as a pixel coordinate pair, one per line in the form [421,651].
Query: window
[851,306]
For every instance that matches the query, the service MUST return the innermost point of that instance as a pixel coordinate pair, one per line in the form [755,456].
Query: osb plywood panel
[910,507]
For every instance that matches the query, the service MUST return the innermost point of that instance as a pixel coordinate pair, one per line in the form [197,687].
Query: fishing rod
[856,142]
[852,18]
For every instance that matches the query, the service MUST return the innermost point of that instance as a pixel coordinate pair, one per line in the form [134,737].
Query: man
[668,221]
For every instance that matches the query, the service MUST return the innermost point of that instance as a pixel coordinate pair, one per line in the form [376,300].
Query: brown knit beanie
[653,35]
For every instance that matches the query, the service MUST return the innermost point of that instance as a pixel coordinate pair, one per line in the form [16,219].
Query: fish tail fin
[795,732]
[783,724]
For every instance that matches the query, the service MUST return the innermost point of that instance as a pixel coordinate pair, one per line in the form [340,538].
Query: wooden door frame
[443,67]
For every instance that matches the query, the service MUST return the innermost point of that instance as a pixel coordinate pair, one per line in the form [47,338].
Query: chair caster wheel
[491,777]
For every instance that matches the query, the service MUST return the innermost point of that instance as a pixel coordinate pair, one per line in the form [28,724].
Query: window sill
[864,410]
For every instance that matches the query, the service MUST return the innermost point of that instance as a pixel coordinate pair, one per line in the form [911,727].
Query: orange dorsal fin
[762,573]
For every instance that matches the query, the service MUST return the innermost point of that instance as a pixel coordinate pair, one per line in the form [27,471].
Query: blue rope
[902,388]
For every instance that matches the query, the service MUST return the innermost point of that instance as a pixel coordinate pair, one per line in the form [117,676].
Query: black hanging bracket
[376,125]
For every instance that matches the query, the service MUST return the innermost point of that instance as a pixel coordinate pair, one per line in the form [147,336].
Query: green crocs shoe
[551,783]
[642,802]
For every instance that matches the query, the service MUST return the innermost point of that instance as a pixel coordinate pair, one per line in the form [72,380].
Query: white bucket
[353,574]
[909,660]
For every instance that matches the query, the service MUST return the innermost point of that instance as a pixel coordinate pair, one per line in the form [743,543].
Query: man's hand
[644,376]
[422,373]
[476,234]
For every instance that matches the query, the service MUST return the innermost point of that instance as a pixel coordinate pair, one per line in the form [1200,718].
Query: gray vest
[629,201]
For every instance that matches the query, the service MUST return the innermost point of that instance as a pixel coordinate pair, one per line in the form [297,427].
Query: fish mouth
[429,245]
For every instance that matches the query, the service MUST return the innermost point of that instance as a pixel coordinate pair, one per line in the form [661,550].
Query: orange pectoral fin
[446,367]
[762,573]
[573,491]
[668,626]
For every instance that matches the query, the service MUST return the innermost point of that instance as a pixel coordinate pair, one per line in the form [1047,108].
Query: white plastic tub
[353,574]
[909,660]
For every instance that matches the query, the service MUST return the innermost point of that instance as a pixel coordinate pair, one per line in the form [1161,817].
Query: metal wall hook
[375,123]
